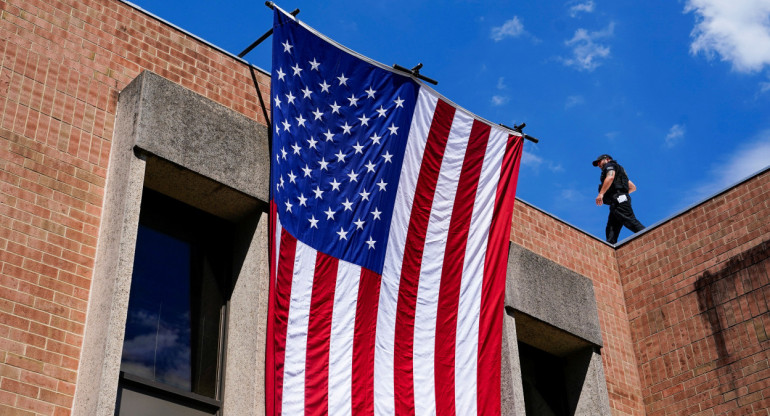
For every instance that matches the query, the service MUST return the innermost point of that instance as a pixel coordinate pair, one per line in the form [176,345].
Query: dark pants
[621,214]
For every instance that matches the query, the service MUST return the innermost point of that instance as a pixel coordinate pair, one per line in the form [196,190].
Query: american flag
[390,214]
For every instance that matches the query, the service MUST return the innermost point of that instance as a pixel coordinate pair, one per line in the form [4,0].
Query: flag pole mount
[267,34]
[518,129]
[415,72]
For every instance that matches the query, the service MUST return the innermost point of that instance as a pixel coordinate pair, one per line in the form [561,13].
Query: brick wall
[62,64]
[563,244]
[697,291]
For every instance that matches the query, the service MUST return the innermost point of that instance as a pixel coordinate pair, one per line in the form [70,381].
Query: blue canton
[340,126]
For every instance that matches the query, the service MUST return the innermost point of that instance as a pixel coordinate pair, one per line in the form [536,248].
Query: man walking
[614,190]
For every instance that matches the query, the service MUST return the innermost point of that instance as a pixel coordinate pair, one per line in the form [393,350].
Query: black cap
[596,162]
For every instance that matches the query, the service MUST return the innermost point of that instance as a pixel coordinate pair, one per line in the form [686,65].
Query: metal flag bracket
[415,72]
[518,129]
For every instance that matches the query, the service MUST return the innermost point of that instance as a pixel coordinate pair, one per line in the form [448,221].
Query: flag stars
[314,65]
[370,166]
[364,120]
[376,213]
[329,135]
[318,192]
[296,148]
[286,125]
[324,86]
[329,214]
[364,195]
[387,156]
[277,102]
[302,200]
[323,163]
[288,206]
[335,185]
[300,121]
[353,100]
[353,176]
[317,114]
[296,69]
[381,112]
[393,129]
[340,156]
[358,148]
[370,242]
[283,153]
[343,80]
[287,46]
[311,143]
[343,234]
[292,177]
[335,108]
[280,73]
[307,171]
[370,93]
[381,184]
[290,98]
[346,128]
[348,205]
[375,138]
[306,92]
[399,102]
[313,222]
[359,224]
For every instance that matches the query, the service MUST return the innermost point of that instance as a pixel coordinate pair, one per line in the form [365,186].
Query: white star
[277,102]
[290,97]
[370,166]
[359,224]
[288,206]
[302,200]
[278,158]
[296,148]
[335,108]
[346,128]
[359,148]
[286,125]
[313,222]
[307,171]
[375,138]
[399,102]
[323,163]
[286,46]
[342,233]
[343,80]
[280,184]
[364,195]
[329,135]
[370,92]
[370,242]
[312,142]
[280,73]
[353,176]
[283,153]
[381,111]
[300,120]
[393,129]
[296,69]
[306,92]
[376,213]
[348,205]
[364,120]
[317,113]
[318,192]
[292,176]
[340,156]
[353,100]
[335,185]
[314,64]
[277,129]
[382,184]
[329,214]
[387,157]
[324,86]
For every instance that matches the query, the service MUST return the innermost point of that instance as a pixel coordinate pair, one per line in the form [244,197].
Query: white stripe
[277,243]
[466,346]
[391,273]
[341,342]
[296,331]
[436,237]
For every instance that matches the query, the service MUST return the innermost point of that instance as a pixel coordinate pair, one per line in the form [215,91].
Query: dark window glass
[177,299]
[543,380]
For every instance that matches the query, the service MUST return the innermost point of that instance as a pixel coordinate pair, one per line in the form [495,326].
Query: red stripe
[363,343]
[318,335]
[270,347]
[282,299]
[413,250]
[493,289]
[451,275]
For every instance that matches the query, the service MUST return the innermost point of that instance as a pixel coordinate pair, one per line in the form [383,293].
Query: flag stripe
[431,267]
[493,292]
[270,347]
[319,332]
[285,270]
[391,274]
[297,330]
[363,344]
[341,351]
[413,249]
[454,259]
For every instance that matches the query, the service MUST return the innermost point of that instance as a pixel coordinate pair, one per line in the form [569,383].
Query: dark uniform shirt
[619,184]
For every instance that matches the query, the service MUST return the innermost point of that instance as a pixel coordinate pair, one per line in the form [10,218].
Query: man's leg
[614,224]
[625,213]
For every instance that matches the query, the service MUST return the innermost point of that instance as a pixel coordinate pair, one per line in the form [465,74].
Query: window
[173,346]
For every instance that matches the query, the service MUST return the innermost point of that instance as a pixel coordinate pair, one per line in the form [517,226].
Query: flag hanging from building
[390,214]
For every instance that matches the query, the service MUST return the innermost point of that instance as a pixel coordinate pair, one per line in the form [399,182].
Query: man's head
[601,160]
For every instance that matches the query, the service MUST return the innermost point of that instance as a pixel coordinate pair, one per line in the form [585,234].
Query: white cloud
[510,29]
[587,7]
[764,87]
[742,163]
[737,30]
[574,100]
[535,162]
[498,100]
[501,84]
[571,195]
[586,52]
[675,135]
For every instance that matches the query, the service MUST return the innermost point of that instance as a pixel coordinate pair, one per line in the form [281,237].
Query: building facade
[133,247]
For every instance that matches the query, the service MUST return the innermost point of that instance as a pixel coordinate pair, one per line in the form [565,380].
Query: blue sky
[677,92]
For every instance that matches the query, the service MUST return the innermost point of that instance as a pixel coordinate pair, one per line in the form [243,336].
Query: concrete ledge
[552,294]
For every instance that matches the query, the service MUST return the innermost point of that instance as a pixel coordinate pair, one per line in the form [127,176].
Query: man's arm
[631,186]
[605,186]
